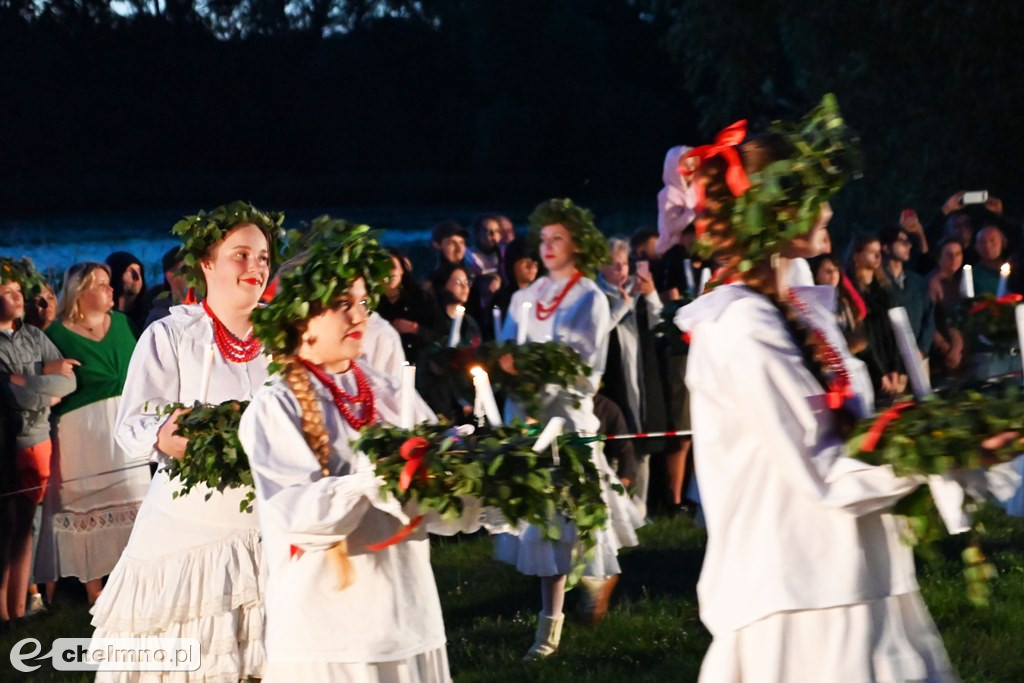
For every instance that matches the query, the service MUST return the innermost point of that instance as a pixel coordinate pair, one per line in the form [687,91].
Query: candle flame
[477,371]
[459,310]
[1004,269]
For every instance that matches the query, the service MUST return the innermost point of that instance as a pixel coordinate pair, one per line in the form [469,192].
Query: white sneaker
[35,605]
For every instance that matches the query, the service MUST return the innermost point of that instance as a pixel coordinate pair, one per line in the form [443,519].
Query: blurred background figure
[88,516]
[128,278]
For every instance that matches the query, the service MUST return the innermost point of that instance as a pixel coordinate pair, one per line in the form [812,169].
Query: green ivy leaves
[214,456]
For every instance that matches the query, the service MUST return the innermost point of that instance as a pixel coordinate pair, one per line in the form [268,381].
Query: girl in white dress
[566,306]
[805,578]
[337,610]
[192,566]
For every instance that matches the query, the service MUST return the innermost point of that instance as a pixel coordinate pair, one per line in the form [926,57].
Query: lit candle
[705,278]
[1004,276]
[908,350]
[482,384]
[204,383]
[496,316]
[524,321]
[455,333]
[406,396]
[688,272]
[1018,314]
[967,283]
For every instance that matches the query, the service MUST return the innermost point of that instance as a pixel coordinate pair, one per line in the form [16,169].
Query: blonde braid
[319,441]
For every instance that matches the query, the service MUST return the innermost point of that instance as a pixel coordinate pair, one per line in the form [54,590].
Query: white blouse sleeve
[315,511]
[153,381]
[788,423]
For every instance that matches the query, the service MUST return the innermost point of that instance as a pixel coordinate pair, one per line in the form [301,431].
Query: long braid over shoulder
[315,430]
[715,222]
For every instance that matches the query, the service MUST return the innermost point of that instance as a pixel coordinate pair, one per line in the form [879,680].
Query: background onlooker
[88,520]
[907,288]
[990,245]
[407,307]
[128,278]
[41,308]
[172,291]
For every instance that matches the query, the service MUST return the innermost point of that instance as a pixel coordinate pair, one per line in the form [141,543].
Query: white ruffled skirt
[88,516]
[426,667]
[532,554]
[892,640]
[192,569]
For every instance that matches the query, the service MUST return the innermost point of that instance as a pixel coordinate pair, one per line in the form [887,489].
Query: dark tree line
[165,102]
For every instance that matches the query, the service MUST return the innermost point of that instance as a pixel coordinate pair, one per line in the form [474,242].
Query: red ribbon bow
[190,297]
[874,434]
[414,451]
[725,146]
[1005,300]
[398,537]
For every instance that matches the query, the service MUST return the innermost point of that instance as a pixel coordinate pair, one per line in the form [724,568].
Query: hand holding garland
[211,454]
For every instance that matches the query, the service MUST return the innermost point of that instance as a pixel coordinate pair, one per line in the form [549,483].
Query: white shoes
[549,632]
[35,605]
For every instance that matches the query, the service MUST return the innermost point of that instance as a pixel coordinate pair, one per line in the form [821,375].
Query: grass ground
[653,632]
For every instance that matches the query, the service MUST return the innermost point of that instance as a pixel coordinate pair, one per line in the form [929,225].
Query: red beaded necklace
[231,347]
[840,387]
[545,312]
[342,399]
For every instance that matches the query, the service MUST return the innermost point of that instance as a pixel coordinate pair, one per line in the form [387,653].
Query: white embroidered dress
[582,321]
[387,626]
[192,566]
[804,576]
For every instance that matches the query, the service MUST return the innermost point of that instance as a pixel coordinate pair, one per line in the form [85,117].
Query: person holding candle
[192,567]
[567,306]
[989,243]
[350,591]
[88,517]
[445,393]
[805,578]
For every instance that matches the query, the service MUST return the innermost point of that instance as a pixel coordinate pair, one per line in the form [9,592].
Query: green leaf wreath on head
[782,200]
[333,253]
[22,271]
[591,245]
[199,233]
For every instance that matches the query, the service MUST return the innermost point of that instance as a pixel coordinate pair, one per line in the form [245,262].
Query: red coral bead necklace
[231,347]
[345,401]
[546,311]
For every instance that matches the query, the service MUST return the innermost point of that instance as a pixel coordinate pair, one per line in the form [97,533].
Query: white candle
[406,397]
[456,331]
[967,283]
[496,316]
[204,383]
[705,278]
[688,272]
[485,396]
[524,322]
[551,432]
[1018,314]
[919,382]
[1004,276]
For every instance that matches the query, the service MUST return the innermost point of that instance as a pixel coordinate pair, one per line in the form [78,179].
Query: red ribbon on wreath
[724,146]
[874,434]
[400,536]
[414,452]
[1005,300]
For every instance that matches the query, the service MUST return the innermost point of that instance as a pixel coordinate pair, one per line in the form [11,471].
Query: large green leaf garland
[333,253]
[214,456]
[784,199]
[988,322]
[434,467]
[201,231]
[939,435]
